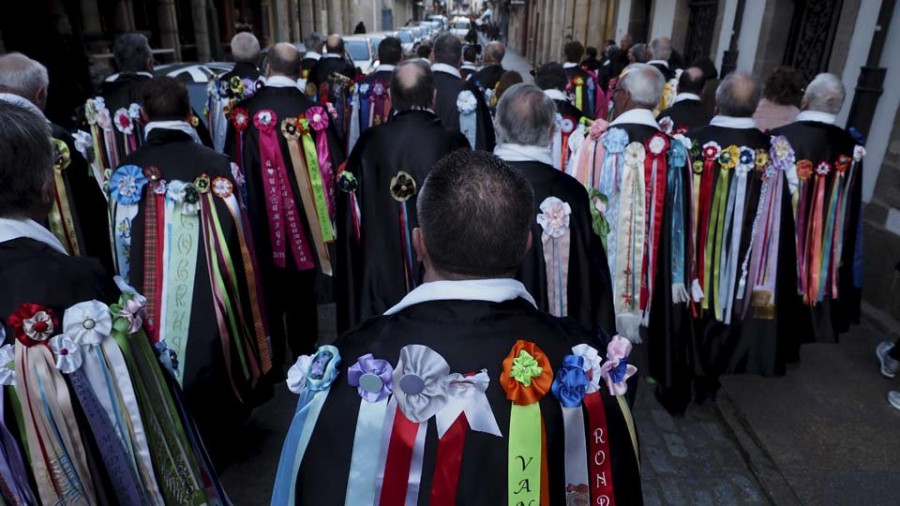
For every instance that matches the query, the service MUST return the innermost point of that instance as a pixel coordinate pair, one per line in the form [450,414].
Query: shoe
[894,398]
[889,366]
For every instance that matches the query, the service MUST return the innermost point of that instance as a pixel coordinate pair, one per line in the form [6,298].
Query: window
[357,49]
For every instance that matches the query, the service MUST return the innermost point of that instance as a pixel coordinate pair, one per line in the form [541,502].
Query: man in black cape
[372,91]
[551,77]
[455,98]
[525,123]
[334,61]
[487,77]
[245,52]
[475,217]
[688,112]
[333,76]
[376,268]
[470,61]
[24,82]
[661,47]
[582,88]
[756,329]
[313,43]
[291,289]
[816,137]
[219,396]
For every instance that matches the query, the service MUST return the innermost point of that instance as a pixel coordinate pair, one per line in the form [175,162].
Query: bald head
[245,48]
[284,60]
[412,86]
[494,53]
[20,75]
[692,80]
[738,95]
[661,48]
[824,94]
[334,44]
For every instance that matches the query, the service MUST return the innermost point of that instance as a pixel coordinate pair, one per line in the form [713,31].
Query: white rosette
[467,105]
[467,396]
[556,242]
[67,354]
[7,362]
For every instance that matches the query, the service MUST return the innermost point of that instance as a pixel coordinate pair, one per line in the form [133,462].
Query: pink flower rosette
[616,370]
[265,120]
[317,118]
[555,216]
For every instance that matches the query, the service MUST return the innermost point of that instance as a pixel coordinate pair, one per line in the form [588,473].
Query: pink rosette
[616,370]
[317,118]
[264,120]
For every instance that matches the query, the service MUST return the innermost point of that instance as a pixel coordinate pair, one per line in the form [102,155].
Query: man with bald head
[375,269]
[333,61]
[489,74]
[745,271]
[333,77]
[816,137]
[81,224]
[291,251]
[687,112]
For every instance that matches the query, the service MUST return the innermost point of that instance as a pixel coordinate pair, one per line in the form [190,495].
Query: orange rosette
[519,379]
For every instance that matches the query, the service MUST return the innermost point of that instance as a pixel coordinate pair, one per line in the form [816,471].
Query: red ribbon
[449,462]
[654,201]
[399,460]
[600,459]
[706,190]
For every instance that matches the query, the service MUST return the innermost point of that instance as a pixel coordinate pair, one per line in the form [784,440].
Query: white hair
[661,48]
[245,47]
[525,115]
[825,93]
[645,84]
[21,75]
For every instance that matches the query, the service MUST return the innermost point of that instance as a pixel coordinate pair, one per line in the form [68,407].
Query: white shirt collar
[14,99]
[115,77]
[488,290]
[178,126]
[443,67]
[384,68]
[664,63]
[17,228]
[312,54]
[686,96]
[331,55]
[637,117]
[569,65]
[732,122]
[555,94]
[523,153]
[817,116]
[281,82]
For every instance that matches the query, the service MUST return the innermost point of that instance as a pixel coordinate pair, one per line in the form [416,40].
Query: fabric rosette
[347,182]
[264,120]
[570,382]
[87,323]
[124,123]
[310,377]
[317,118]
[570,386]
[782,153]
[858,153]
[126,184]
[556,241]
[240,118]
[598,128]
[526,378]
[804,169]
[616,370]
[711,150]
[418,386]
[67,353]
[467,104]
[615,140]
[666,124]
[728,157]
[125,189]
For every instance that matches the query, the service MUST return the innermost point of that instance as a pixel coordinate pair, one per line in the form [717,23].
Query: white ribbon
[353,136]
[576,449]
[467,395]
[420,363]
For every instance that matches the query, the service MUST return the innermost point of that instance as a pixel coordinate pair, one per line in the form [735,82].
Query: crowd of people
[494,249]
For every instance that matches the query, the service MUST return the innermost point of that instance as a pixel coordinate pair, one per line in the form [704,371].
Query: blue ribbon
[677,160]
[365,121]
[570,382]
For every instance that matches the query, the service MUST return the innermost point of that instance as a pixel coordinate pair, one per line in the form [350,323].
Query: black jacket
[448,89]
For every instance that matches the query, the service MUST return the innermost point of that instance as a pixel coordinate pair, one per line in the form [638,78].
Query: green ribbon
[184,242]
[20,420]
[720,201]
[598,221]
[524,458]
[525,367]
[315,179]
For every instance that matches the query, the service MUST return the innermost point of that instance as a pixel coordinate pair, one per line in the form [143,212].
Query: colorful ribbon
[556,240]
[373,379]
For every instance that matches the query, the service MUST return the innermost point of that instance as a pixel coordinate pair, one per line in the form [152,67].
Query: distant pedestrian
[360,28]
[781,98]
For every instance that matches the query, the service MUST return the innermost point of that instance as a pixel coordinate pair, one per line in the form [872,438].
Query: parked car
[460,26]
[441,20]
[360,50]
[406,40]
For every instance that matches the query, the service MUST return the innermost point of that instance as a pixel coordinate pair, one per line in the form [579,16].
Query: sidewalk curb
[774,485]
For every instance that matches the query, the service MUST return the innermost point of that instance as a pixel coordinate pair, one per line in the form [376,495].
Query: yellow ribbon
[61,223]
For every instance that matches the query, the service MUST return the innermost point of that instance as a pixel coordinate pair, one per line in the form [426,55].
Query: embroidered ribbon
[58,458]
[764,166]
[125,188]
[711,151]
[599,458]
[526,377]
[154,221]
[311,378]
[629,234]
[569,385]
[403,187]
[655,176]
[181,251]
[61,223]
[312,190]
[556,239]
[419,393]
[680,208]
[284,223]
[715,241]
[467,105]
[373,379]
[317,120]
[746,163]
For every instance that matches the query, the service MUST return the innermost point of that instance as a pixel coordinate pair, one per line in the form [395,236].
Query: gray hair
[526,116]
[313,41]
[645,83]
[661,47]
[245,48]
[132,52]
[26,160]
[641,53]
[738,95]
[23,76]
[825,93]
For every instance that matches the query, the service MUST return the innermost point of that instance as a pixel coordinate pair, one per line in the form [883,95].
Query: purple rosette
[372,377]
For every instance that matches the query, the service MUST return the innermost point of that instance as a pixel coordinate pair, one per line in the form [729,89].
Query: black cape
[589,294]
[817,142]
[487,77]
[571,74]
[243,70]
[328,65]
[88,205]
[207,390]
[568,110]
[667,73]
[370,274]
[455,329]
[687,115]
[448,88]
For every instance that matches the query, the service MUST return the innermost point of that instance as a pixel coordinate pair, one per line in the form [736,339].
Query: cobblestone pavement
[690,460]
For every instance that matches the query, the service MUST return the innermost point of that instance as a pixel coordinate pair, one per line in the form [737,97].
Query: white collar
[14,99]
[469,66]
[523,153]
[331,55]
[817,116]
[732,122]
[17,228]
[555,94]
[664,63]
[281,82]
[312,54]
[488,290]
[636,117]
[384,68]
[569,65]
[178,126]
[443,67]
[686,96]
[115,77]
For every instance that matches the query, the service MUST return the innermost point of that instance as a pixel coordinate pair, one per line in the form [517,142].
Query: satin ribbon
[828,239]
[766,253]
[704,209]
[731,261]
[600,456]
[556,242]
[359,118]
[468,117]
[12,466]
[749,263]
[630,243]
[284,223]
[317,120]
[816,234]
[216,119]
[373,380]
[802,214]
[556,146]
[843,221]
[60,218]
[154,221]
[655,170]
[714,241]
[569,386]
[679,208]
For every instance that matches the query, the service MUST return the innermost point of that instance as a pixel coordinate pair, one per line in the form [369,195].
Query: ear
[150,65]
[530,242]
[268,69]
[419,245]
[804,103]
[433,98]
[40,98]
